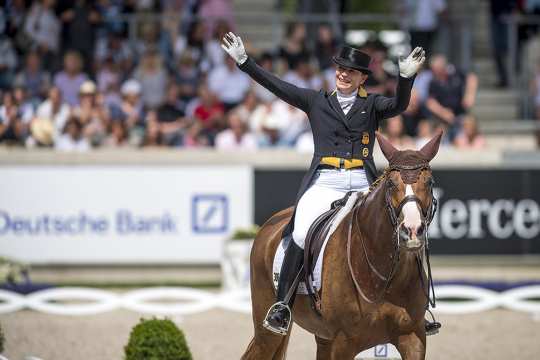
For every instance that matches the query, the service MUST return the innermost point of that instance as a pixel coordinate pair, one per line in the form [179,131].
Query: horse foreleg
[342,348]
[268,347]
[412,346]
[324,348]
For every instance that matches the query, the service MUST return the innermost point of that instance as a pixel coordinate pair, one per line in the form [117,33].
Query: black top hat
[353,58]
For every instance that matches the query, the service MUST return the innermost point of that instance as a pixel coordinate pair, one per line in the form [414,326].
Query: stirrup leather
[277,308]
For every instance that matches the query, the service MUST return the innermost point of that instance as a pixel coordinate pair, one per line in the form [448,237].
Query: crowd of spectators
[71,79]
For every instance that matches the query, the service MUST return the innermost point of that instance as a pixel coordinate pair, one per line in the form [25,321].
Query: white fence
[186,301]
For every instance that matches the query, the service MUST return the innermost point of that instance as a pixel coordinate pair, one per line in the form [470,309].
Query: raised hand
[408,66]
[233,45]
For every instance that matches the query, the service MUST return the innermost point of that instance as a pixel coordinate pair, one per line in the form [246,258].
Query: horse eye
[430,182]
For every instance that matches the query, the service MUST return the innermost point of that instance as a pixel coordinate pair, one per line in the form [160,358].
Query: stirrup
[277,308]
[432,327]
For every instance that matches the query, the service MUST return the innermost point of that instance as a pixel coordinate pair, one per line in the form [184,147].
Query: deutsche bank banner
[480,211]
[122,214]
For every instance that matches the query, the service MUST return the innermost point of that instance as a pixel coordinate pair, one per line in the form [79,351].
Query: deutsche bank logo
[209,213]
[381,350]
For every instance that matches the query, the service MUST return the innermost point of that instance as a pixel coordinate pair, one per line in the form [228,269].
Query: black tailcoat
[334,133]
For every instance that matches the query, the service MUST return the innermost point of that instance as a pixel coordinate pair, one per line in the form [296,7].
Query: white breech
[327,186]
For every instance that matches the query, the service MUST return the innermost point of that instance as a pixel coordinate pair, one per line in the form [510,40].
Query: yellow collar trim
[362,92]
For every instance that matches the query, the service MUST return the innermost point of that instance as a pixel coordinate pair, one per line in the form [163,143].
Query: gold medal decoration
[365,138]
[365,152]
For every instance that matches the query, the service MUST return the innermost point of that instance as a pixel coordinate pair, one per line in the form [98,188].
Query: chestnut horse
[373,289]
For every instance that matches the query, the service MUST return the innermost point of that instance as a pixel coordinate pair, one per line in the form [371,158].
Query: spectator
[381,81]
[229,83]
[396,135]
[153,77]
[194,44]
[153,39]
[195,136]
[55,110]
[325,47]
[213,10]
[187,77]
[71,78]
[451,94]
[80,19]
[26,108]
[116,49]
[213,47]
[118,134]
[131,111]
[422,18]
[32,78]
[237,137]
[469,136]
[414,113]
[209,113]
[151,135]
[92,114]
[72,138]
[499,9]
[246,109]
[43,29]
[293,121]
[12,128]
[266,61]
[171,119]
[266,125]
[15,13]
[108,80]
[424,133]
[8,62]
[302,75]
[294,47]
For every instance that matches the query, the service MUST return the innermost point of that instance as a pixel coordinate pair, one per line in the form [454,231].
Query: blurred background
[133,152]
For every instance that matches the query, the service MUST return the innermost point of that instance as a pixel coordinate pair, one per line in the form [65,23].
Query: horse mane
[377,181]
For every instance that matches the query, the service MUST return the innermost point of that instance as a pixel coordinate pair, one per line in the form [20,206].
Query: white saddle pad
[317,272]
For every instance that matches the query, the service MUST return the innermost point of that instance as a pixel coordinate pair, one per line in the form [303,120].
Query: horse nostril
[420,230]
[405,232]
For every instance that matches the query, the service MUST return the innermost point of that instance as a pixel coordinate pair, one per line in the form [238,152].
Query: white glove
[233,45]
[408,66]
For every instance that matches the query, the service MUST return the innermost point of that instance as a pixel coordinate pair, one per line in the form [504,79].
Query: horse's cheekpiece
[278,319]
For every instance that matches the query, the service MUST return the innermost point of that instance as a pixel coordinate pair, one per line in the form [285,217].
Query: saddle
[314,242]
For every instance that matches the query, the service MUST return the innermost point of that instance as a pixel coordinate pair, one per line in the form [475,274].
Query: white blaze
[411,214]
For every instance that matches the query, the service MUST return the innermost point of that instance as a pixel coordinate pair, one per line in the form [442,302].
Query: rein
[393,214]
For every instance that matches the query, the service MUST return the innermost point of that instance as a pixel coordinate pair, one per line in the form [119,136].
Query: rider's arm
[408,67]
[298,97]
[387,107]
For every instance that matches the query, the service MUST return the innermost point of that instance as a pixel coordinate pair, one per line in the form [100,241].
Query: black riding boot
[279,316]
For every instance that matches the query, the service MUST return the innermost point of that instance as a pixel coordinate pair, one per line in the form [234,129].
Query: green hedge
[156,339]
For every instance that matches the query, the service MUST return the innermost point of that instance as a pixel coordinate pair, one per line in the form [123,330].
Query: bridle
[394,213]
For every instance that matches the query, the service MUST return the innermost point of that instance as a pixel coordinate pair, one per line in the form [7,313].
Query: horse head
[409,191]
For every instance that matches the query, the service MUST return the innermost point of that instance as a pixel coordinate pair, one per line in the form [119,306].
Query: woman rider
[343,123]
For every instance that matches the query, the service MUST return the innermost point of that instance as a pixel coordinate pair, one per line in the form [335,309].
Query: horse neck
[377,231]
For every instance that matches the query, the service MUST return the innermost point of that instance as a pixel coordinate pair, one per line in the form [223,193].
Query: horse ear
[432,147]
[387,148]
